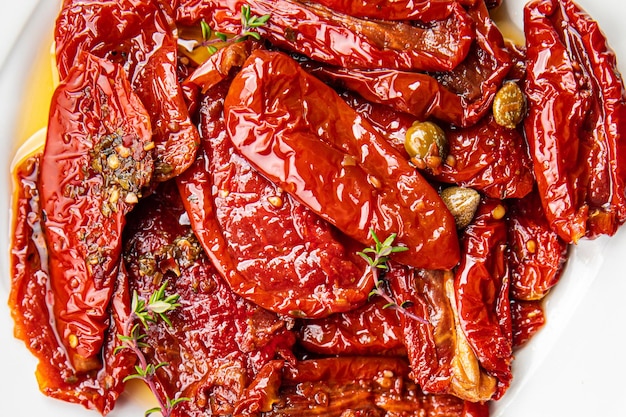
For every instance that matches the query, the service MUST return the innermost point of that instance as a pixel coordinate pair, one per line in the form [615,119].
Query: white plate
[574,367]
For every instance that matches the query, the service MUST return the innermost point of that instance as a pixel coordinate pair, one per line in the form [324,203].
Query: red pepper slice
[139,36]
[322,34]
[537,254]
[577,109]
[302,136]
[94,168]
[34,321]
[481,286]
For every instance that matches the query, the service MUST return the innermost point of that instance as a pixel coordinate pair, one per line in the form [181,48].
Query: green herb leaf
[160,306]
[146,313]
[206,30]
[152,411]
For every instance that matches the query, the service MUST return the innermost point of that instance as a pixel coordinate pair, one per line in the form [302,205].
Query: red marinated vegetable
[577,111]
[289,260]
[288,208]
[369,330]
[219,346]
[139,36]
[34,321]
[322,34]
[460,97]
[94,168]
[537,253]
[527,318]
[366,385]
[481,286]
[441,359]
[318,149]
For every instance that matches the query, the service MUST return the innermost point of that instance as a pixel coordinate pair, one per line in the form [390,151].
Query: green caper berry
[424,140]
[509,105]
[462,203]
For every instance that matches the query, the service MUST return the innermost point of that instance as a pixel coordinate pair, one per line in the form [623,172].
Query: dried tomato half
[139,36]
[302,136]
[95,165]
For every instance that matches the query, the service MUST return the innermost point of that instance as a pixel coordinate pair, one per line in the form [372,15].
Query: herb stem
[382,251]
[133,345]
[141,315]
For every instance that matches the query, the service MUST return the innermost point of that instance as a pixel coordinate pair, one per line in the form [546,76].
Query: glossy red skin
[363,386]
[460,97]
[481,286]
[527,319]
[487,156]
[536,269]
[369,330]
[425,10]
[94,103]
[138,35]
[430,346]
[579,169]
[220,346]
[220,65]
[334,162]
[337,39]
[604,145]
[31,313]
[283,250]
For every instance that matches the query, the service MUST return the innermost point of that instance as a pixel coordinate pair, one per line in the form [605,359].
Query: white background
[575,367]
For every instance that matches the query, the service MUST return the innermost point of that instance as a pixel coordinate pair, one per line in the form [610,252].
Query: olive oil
[35,104]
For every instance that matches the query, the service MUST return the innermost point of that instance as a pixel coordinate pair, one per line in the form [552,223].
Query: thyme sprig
[377,263]
[249,24]
[143,313]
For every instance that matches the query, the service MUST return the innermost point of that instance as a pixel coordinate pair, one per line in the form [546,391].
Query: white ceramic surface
[574,367]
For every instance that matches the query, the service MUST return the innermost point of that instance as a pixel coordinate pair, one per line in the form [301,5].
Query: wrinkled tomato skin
[537,254]
[460,97]
[481,287]
[139,36]
[284,257]
[362,385]
[93,115]
[489,158]
[424,11]
[580,170]
[309,29]
[33,318]
[219,346]
[430,345]
[368,330]
[527,319]
[358,182]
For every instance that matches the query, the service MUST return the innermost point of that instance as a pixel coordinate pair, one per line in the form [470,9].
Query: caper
[462,203]
[509,105]
[426,144]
